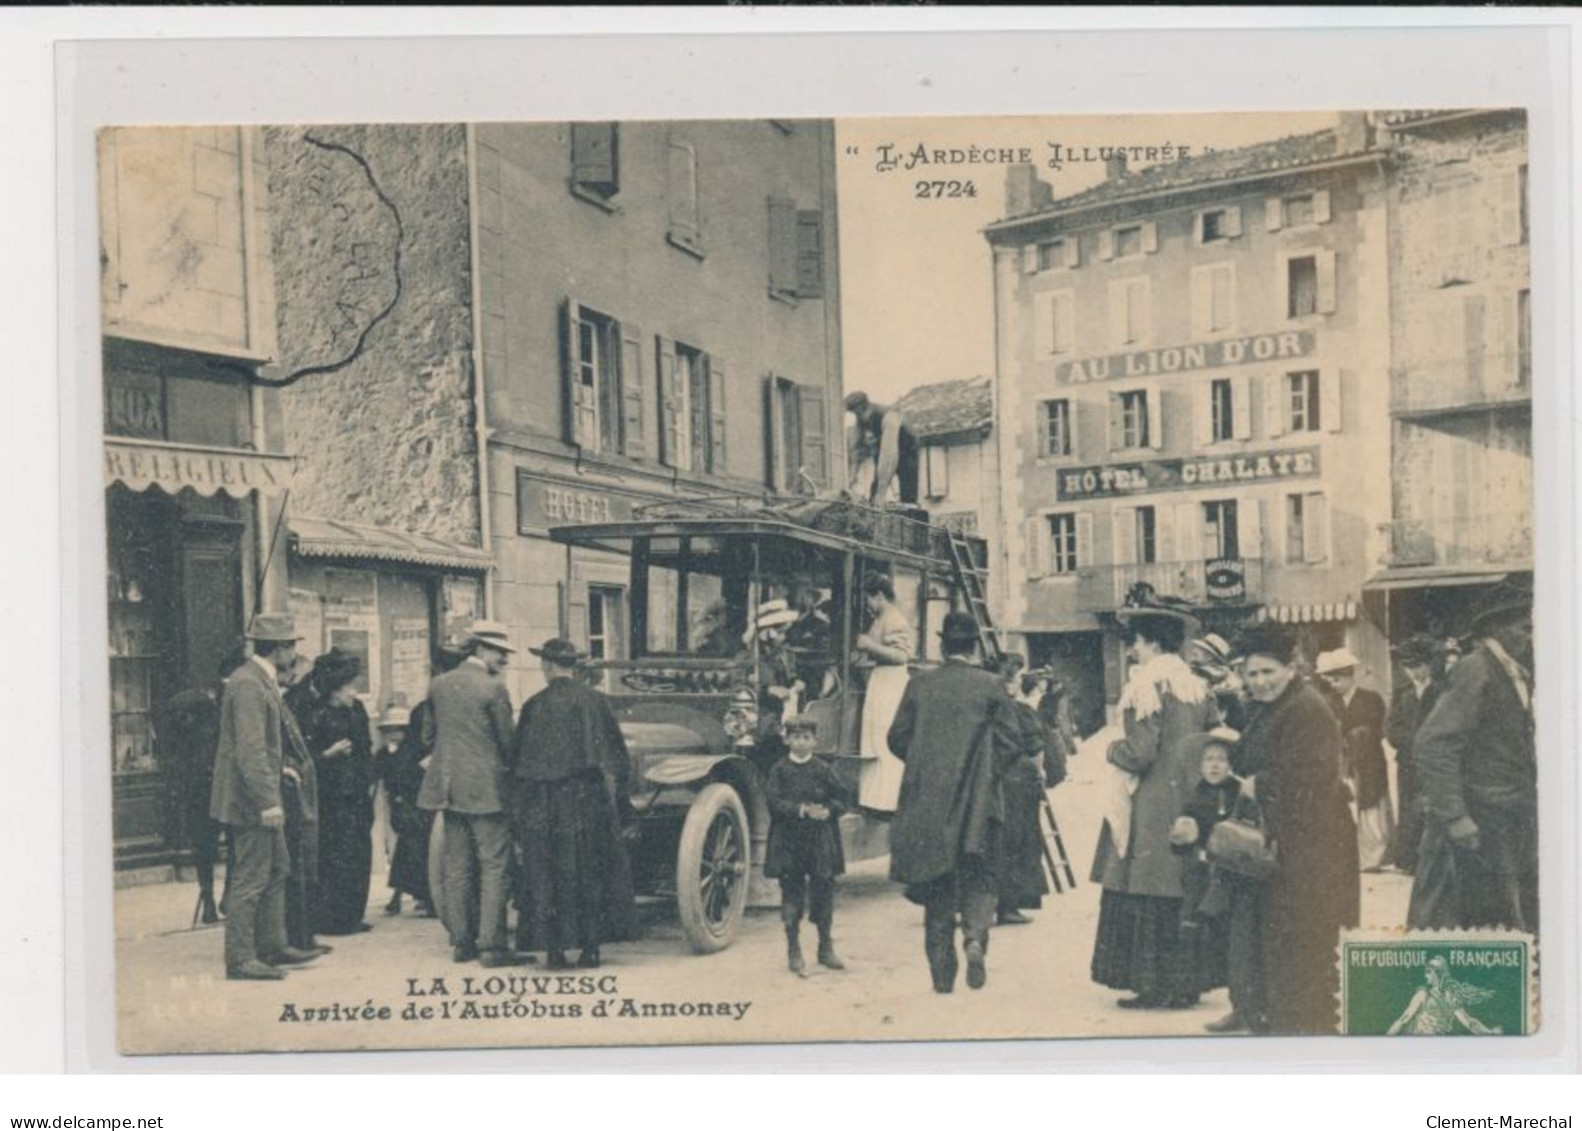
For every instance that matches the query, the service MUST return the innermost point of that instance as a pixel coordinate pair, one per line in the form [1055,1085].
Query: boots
[792,918]
[826,950]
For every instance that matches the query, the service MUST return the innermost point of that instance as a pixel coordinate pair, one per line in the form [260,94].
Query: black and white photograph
[656,582]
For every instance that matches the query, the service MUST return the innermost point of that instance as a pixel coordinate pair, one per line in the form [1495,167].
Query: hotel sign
[1115,480]
[1189,358]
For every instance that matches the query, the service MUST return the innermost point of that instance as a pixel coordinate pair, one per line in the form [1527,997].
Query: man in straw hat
[247,800]
[1478,767]
[955,731]
[469,726]
[571,772]
[1361,712]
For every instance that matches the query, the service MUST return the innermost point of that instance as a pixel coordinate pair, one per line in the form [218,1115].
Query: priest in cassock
[572,771]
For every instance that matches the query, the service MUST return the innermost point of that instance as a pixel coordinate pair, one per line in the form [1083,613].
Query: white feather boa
[1164,673]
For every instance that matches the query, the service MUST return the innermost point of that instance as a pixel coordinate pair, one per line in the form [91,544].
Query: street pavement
[173,997]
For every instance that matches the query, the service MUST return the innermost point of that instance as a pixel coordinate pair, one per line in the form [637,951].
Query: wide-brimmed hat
[279,628]
[559,650]
[1142,601]
[1193,745]
[395,716]
[959,628]
[1341,659]
[1511,597]
[491,634]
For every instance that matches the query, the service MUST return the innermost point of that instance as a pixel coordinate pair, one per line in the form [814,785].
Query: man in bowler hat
[469,728]
[955,730]
[247,800]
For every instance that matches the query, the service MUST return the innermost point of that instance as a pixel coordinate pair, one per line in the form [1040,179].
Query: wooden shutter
[1165,548]
[1156,416]
[1124,534]
[1249,519]
[1150,237]
[1065,314]
[1276,405]
[681,175]
[1241,407]
[776,461]
[669,403]
[1145,316]
[1197,227]
[581,403]
[1084,524]
[1107,244]
[1315,527]
[1041,438]
[1508,213]
[633,442]
[1274,213]
[1329,407]
[1073,415]
[1474,338]
[1188,531]
[593,155]
[1325,262]
[1202,287]
[1044,324]
[1321,206]
[815,437]
[1232,226]
[1117,313]
[1073,247]
[1203,418]
[810,253]
[1030,259]
[1038,537]
[716,422]
[782,246]
[1117,430]
[938,458]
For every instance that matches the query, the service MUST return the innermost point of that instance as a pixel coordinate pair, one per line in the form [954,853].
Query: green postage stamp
[1438,983]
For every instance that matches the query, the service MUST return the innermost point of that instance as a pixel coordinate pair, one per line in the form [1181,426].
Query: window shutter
[1156,431]
[815,438]
[1275,405]
[782,245]
[1509,336]
[633,442]
[593,155]
[1321,206]
[1074,408]
[1145,316]
[669,404]
[1084,539]
[938,471]
[1197,227]
[1150,237]
[1233,221]
[1107,244]
[1188,531]
[1116,431]
[1073,250]
[681,171]
[1475,341]
[1241,407]
[1508,214]
[1065,322]
[1124,522]
[1315,527]
[1325,261]
[1038,537]
[1202,285]
[1165,549]
[1203,419]
[776,474]
[1274,213]
[1044,324]
[581,403]
[810,253]
[716,369]
[1249,516]
[1041,438]
[1329,399]
[1117,312]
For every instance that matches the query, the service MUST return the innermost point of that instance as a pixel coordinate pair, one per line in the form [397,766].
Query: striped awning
[332,538]
[1317,613]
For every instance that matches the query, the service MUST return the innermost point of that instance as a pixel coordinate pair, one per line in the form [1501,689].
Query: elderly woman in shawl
[1139,946]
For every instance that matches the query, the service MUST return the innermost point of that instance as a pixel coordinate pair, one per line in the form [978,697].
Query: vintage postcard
[731,581]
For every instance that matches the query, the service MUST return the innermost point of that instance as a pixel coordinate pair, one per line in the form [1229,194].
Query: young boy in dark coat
[806,800]
[1203,901]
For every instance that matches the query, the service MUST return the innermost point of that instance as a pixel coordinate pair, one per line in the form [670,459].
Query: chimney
[1115,165]
[1353,132]
[1024,192]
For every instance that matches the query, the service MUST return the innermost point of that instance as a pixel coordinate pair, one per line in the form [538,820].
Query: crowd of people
[1249,790]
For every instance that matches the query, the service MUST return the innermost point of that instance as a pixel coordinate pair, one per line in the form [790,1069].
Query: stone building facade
[1193,391]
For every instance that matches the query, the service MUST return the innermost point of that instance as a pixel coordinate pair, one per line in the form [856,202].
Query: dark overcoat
[798,845]
[470,728]
[1362,727]
[950,803]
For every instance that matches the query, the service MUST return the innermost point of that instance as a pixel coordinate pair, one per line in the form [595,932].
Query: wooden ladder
[973,580]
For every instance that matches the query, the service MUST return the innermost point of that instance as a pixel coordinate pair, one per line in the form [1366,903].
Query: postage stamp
[1438,983]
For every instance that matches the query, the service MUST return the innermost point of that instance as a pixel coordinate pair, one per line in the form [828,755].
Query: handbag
[1240,846]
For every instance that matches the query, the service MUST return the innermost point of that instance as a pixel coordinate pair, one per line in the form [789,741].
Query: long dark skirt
[346,857]
[1139,947]
[409,862]
[1021,871]
[578,884]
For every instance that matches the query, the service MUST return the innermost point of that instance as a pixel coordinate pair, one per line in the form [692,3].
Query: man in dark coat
[1360,713]
[1478,768]
[469,728]
[1414,700]
[246,799]
[189,729]
[571,773]
[955,730]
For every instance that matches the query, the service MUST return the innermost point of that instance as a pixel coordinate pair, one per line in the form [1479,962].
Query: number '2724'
[941,190]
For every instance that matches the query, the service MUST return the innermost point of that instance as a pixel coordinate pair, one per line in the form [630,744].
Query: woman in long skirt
[889,643]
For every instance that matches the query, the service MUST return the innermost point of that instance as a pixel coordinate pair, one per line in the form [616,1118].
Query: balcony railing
[1488,381]
[1504,539]
[1224,581]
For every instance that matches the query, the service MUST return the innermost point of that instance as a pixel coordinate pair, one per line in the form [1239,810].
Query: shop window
[595,161]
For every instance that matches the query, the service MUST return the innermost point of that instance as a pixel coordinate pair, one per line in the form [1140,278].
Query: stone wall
[371,254]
